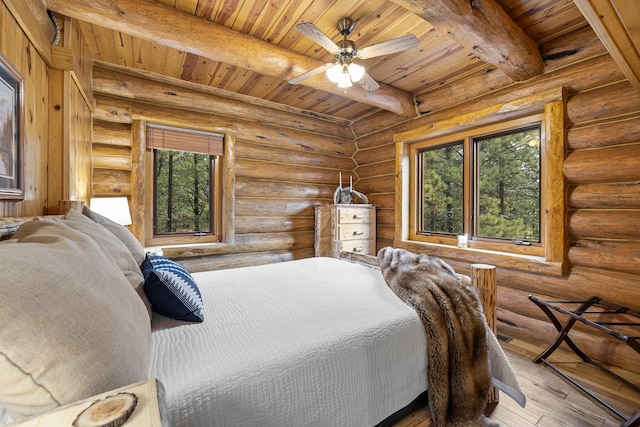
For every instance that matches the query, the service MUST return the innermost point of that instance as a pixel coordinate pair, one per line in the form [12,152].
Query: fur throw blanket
[458,376]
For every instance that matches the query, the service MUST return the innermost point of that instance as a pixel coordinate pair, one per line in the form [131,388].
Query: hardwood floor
[551,401]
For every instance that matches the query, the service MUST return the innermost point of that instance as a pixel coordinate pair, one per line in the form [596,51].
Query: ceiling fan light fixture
[344,72]
[334,73]
[345,81]
[356,72]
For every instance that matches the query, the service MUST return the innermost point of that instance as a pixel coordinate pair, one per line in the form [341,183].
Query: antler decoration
[346,196]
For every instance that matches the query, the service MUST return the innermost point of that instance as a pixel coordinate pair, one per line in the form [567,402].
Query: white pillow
[72,325]
[120,232]
[113,246]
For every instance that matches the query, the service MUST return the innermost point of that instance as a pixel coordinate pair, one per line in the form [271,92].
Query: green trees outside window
[509,185]
[182,192]
[443,189]
[503,192]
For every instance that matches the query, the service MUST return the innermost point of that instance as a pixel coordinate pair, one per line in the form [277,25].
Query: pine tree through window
[186,183]
[484,182]
[508,185]
[504,186]
[183,190]
[442,189]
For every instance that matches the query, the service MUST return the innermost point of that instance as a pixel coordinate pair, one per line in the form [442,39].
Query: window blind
[170,138]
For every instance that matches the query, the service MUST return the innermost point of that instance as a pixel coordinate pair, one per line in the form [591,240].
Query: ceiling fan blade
[391,46]
[314,33]
[309,74]
[368,83]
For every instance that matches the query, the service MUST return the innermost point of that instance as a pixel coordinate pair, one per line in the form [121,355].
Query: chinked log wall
[601,170]
[285,162]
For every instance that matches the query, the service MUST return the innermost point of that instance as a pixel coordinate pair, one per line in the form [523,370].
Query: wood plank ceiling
[437,61]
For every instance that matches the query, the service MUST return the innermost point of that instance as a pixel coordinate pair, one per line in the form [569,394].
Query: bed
[330,345]
[313,342]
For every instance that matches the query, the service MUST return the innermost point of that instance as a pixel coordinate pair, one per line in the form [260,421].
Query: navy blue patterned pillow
[171,289]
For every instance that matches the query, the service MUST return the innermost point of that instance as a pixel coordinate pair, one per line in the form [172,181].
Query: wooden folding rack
[603,316]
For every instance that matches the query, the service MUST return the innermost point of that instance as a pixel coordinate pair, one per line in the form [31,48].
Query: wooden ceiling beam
[483,27]
[151,20]
[616,23]
[149,87]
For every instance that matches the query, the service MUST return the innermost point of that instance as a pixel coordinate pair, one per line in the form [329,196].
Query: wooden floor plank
[551,400]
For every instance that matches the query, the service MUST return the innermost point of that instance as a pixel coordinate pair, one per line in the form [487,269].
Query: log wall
[57,95]
[603,178]
[22,53]
[283,165]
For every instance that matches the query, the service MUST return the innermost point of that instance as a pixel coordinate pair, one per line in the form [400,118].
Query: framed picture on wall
[11,132]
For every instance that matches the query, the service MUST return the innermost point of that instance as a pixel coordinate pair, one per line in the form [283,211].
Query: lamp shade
[334,73]
[356,72]
[345,79]
[345,73]
[114,208]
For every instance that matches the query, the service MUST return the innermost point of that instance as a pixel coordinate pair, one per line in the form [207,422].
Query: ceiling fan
[344,71]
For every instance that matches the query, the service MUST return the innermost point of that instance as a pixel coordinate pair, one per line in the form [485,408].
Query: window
[484,183]
[182,191]
[441,189]
[186,178]
[495,177]
[507,185]
[502,171]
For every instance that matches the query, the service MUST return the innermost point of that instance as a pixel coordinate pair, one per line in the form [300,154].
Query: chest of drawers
[352,228]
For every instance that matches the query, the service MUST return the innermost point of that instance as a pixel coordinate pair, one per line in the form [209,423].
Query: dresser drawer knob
[358,249]
[357,216]
[358,233]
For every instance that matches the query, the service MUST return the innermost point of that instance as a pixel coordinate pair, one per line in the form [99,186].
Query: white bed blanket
[312,342]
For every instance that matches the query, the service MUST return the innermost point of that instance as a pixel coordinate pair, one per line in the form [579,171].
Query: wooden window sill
[190,250]
[529,263]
